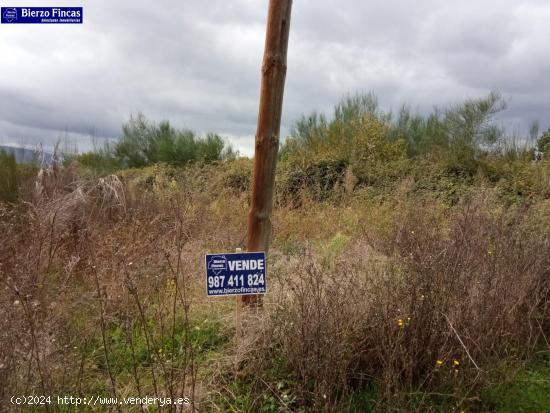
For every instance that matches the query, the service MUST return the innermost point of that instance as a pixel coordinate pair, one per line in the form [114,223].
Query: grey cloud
[197,64]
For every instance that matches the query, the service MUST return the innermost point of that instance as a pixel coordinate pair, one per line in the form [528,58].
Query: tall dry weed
[438,301]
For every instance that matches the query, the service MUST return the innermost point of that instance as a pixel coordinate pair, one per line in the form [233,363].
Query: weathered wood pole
[267,133]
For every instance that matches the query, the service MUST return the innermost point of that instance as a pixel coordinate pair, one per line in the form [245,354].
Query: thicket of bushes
[12,176]
[465,131]
[451,148]
[361,145]
[543,144]
[9,179]
[145,143]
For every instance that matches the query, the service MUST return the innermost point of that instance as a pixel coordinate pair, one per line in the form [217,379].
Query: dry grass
[437,301]
[102,293]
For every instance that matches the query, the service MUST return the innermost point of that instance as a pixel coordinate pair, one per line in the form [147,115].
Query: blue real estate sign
[235,274]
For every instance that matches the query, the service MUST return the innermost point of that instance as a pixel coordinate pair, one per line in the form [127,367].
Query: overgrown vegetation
[8,177]
[409,270]
[145,143]
[543,144]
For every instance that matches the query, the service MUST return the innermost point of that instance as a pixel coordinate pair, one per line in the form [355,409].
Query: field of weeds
[388,299]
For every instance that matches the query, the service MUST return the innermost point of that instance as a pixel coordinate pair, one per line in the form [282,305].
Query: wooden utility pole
[267,134]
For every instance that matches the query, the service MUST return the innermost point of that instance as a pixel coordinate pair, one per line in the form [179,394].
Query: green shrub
[144,143]
[101,162]
[374,157]
[239,175]
[316,136]
[319,178]
[543,144]
[527,390]
[9,177]
[376,145]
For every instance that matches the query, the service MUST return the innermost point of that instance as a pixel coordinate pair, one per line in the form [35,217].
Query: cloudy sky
[197,63]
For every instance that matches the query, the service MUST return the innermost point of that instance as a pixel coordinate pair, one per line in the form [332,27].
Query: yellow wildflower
[439,362]
[456,362]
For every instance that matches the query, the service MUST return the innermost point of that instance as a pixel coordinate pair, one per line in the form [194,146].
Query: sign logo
[9,14]
[217,264]
[235,274]
[42,15]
